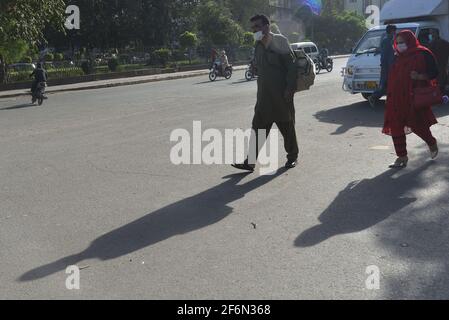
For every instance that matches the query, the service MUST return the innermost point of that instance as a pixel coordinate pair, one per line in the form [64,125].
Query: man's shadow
[362,205]
[194,213]
[19,106]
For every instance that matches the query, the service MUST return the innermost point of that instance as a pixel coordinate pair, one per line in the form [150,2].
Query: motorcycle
[39,94]
[251,72]
[216,72]
[319,65]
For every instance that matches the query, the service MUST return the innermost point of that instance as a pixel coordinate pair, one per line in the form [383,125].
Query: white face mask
[258,36]
[402,47]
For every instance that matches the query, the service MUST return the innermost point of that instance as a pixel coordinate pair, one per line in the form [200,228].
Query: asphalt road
[87,180]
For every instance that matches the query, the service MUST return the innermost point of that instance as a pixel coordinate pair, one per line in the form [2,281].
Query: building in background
[360,6]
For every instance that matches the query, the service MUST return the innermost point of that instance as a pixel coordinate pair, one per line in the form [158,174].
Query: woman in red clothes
[415,66]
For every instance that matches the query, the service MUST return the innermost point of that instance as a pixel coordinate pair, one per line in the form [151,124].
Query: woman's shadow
[363,204]
[194,213]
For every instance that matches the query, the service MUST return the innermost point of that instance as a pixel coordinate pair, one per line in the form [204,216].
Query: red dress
[400,117]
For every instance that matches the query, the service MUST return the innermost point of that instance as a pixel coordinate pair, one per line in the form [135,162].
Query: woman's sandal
[400,163]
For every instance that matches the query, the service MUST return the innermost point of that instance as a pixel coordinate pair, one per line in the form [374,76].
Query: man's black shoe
[244,166]
[291,164]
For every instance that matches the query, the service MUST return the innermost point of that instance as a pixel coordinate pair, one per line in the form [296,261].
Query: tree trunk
[2,70]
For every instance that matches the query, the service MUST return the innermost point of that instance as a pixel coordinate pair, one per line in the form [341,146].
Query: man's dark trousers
[288,132]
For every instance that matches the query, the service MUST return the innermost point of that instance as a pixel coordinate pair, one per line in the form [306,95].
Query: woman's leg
[425,134]
[400,145]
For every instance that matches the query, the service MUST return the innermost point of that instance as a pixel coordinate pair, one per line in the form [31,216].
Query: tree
[339,31]
[242,11]
[188,40]
[248,39]
[22,23]
[216,25]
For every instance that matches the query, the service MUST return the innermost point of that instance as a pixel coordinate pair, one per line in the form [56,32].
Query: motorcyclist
[40,75]
[324,54]
[224,62]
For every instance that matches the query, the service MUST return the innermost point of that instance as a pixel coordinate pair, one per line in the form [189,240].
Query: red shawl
[400,117]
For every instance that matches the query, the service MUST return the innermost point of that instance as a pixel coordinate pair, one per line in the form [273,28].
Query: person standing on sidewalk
[440,49]
[415,66]
[387,57]
[276,86]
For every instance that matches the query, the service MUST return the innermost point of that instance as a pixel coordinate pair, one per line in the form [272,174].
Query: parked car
[309,48]
[22,67]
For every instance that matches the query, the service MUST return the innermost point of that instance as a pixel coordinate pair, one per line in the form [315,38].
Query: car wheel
[366,95]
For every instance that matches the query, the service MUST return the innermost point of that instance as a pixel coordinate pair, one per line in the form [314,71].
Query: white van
[362,72]
[309,48]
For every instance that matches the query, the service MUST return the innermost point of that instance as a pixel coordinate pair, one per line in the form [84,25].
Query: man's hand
[289,95]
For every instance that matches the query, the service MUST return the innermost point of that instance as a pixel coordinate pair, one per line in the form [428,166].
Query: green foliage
[14,50]
[216,26]
[243,11]
[59,57]
[27,59]
[24,76]
[248,39]
[188,40]
[162,56]
[26,19]
[336,30]
[49,57]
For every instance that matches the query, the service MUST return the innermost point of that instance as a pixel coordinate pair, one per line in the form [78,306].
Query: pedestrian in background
[440,49]
[414,67]
[387,56]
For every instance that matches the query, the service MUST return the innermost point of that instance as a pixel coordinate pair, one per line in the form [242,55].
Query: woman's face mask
[402,47]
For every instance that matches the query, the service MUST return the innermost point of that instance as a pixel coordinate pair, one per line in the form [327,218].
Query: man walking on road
[276,84]
[387,57]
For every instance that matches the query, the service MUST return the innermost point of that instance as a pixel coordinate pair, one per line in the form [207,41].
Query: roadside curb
[155,78]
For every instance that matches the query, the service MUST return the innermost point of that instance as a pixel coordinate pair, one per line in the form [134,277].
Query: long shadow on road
[19,106]
[358,114]
[362,205]
[196,212]
[409,210]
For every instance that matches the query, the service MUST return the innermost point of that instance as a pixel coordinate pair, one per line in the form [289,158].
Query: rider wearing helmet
[40,75]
